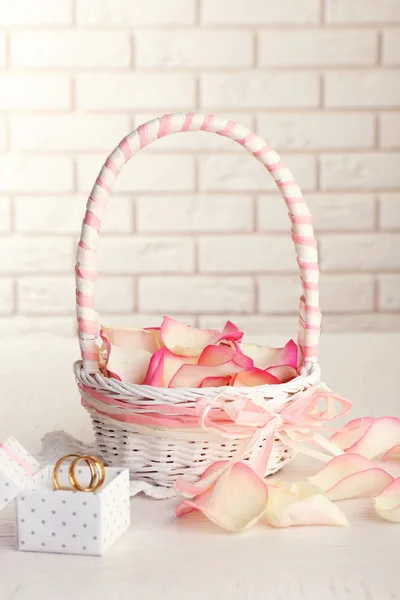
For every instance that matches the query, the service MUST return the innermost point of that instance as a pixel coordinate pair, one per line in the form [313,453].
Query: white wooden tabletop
[169,558]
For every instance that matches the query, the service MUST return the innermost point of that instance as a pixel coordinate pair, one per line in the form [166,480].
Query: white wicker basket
[161,455]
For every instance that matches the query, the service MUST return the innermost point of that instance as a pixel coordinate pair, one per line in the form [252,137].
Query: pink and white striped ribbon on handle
[301,220]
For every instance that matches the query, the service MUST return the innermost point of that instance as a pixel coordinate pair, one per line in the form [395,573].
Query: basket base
[160,461]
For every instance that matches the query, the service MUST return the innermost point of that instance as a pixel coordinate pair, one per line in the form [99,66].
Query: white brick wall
[318,47]
[253,89]
[135,91]
[192,213]
[360,171]
[40,12]
[318,130]
[256,12]
[34,91]
[194,48]
[67,133]
[70,49]
[362,11]
[196,228]
[375,88]
[391,47]
[5,214]
[135,14]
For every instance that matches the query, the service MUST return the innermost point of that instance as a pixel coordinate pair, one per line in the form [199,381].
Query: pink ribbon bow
[252,419]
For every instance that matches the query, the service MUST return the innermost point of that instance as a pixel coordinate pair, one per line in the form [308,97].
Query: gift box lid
[17,467]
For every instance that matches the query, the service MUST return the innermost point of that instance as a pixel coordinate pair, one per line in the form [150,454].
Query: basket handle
[302,230]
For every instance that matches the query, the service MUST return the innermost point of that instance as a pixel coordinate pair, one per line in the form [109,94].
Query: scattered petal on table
[382,435]
[387,504]
[204,482]
[302,504]
[392,454]
[350,476]
[351,432]
[235,502]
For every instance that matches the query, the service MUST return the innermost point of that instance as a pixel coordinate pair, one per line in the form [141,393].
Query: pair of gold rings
[96,467]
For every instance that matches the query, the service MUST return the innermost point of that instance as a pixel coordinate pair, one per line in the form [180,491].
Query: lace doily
[59,443]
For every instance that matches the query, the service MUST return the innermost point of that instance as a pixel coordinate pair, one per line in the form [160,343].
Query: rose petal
[350,476]
[302,504]
[351,432]
[235,502]
[265,357]
[387,504]
[392,454]
[283,373]
[192,376]
[163,366]
[218,355]
[215,361]
[229,333]
[156,332]
[203,483]
[128,364]
[137,339]
[382,435]
[254,377]
[216,381]
[185,340]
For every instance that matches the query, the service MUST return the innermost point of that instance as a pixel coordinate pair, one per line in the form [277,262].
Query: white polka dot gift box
[73,522]
[17,466]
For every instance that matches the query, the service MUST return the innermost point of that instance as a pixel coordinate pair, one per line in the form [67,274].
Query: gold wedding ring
[100,473]
[96,467]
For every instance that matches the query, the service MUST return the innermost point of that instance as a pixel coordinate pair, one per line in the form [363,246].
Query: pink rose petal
[215,361]
[128,352]
[128,364]
[254,377]
[163,366]
[235,502]
[137,339]
[216,381]
[283,373]
[203,483]
[302,504]
[350,476]
[184,340]
[387,504]
[218,355]
[265,357]
[229,333]
[392,454]
[351,432]
[382,435]
[193,376]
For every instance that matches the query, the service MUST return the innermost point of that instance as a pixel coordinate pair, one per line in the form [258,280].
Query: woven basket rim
[310,370]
